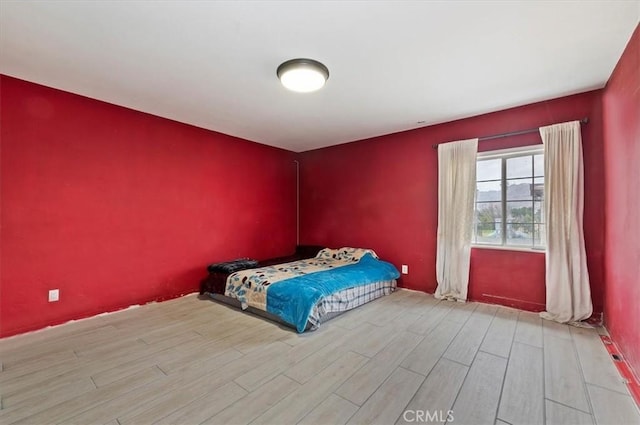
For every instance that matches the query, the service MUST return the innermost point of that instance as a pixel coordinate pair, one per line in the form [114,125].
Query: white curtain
[567,278]
[456,193]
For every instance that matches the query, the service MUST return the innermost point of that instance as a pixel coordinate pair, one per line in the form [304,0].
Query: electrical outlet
[54,295]
[405,269]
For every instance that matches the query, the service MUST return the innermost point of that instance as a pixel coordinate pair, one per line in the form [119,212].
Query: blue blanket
[293,299]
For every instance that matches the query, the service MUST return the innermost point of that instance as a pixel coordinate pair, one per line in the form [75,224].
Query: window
[509,205]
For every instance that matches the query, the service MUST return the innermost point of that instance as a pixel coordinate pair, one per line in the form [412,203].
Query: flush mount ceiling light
[303,75]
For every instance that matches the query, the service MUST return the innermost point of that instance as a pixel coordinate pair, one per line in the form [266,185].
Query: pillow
[232,266]
[346,254]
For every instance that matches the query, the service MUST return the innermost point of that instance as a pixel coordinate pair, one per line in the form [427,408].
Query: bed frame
[232,302]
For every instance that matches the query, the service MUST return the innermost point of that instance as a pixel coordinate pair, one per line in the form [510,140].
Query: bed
[306,292]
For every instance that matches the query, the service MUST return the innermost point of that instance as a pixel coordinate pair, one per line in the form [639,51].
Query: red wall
[116,207]
[621,101]
[382,193]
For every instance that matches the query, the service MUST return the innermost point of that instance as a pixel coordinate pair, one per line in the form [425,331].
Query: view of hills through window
[514,216]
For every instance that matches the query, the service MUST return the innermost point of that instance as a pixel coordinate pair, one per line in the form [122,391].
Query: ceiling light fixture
[303,75]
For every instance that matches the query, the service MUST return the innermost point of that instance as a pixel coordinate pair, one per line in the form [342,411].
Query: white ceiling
[213,63]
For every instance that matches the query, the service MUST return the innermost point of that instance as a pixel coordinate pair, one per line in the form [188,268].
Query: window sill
[510,248]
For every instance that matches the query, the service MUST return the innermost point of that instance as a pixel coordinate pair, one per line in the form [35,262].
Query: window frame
[504,155]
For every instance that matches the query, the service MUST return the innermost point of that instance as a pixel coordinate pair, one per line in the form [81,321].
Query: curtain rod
[512,133]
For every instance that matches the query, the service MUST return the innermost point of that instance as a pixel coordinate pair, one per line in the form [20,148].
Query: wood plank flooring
[405,358]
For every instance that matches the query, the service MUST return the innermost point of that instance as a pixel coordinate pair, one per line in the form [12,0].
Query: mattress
[306,292]
[328,307]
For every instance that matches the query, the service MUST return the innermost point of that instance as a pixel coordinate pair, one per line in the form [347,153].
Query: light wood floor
[193,361]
